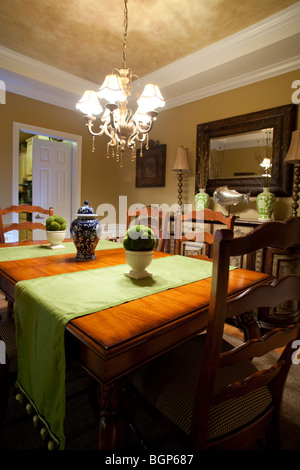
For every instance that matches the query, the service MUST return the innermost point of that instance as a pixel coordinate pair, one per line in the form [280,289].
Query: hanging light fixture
[124,128]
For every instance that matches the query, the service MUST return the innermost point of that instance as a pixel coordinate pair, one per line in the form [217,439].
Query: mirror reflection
[230,152]
[240,155]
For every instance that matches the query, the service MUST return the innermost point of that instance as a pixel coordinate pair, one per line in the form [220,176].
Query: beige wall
[177,127]
[97,173]
[103,181]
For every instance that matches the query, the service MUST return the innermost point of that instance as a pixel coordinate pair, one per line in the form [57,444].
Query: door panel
[51,180]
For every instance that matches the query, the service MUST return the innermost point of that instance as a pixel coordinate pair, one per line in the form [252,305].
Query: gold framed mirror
[229,151]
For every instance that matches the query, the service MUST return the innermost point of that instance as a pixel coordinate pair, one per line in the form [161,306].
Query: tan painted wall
[177,127]
[97,173]
[103,181]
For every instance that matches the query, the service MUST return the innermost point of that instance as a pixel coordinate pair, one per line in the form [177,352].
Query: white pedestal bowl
[138,262]
[56,238]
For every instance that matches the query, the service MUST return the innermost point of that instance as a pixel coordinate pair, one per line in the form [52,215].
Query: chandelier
[119,123]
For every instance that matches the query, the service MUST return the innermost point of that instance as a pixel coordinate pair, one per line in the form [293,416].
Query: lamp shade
[181,159]
[293,155]
[111,89]
[151,98]
[266,163]
[89,103]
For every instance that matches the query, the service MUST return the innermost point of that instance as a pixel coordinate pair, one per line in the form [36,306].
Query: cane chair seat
[173,391]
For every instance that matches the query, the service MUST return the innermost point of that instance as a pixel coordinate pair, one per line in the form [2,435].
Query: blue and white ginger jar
[85,232]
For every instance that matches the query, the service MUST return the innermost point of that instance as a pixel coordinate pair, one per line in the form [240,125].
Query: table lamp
[181,164]
[293,157]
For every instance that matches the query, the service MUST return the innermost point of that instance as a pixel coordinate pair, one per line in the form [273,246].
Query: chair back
[26,225]
[280,234]
[199,227]
[156,219]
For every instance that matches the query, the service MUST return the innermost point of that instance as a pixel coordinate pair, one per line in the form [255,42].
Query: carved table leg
[111,423]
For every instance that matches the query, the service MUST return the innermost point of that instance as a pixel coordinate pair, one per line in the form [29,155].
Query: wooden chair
[22,225]
[210,393]
[154,218]
[197,227]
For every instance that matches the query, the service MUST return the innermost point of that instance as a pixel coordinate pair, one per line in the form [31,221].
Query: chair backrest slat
[197,226]
[22,208]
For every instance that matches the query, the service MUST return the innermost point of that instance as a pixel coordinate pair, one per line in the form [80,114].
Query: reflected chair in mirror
[25,225]
[156,219]
[195,230]
[210,393]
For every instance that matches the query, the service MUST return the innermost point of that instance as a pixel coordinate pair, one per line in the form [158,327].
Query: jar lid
[86,210]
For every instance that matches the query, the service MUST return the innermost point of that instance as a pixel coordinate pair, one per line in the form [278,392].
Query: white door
[51,180]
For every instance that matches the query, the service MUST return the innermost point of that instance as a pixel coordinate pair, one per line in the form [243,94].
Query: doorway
[52,139]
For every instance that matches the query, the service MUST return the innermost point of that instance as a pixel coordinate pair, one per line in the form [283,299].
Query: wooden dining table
[112,342]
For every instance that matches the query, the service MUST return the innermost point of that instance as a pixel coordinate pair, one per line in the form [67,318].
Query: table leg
[246,321]
[112,426]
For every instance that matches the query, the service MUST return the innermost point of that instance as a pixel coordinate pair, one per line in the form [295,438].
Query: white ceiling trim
[236,82]
[276,28]
[40,72]
[28,77]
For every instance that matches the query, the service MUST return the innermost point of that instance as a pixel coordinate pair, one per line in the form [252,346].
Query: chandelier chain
[125,32]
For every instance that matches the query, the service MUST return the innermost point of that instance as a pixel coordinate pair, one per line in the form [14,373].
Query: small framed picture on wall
[150,168]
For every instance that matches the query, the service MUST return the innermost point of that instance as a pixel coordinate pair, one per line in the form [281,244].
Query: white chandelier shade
[111,90]
[89,103]
[151,98]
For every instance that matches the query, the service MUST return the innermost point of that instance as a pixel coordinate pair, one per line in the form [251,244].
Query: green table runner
[44,306]
[12,253]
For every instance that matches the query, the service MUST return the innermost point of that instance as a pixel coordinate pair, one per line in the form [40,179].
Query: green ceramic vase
[265,204]
[201,200]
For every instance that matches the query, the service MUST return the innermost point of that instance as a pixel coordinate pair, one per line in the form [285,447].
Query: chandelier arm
[112,121]
[145,131]
[128,115]
[131,139]
[108,132]
[90,128]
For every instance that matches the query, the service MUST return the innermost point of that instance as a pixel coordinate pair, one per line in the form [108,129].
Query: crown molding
[236,82]
[270,31]
[36,80]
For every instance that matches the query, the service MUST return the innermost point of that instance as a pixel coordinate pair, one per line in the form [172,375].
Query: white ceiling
[53,50]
